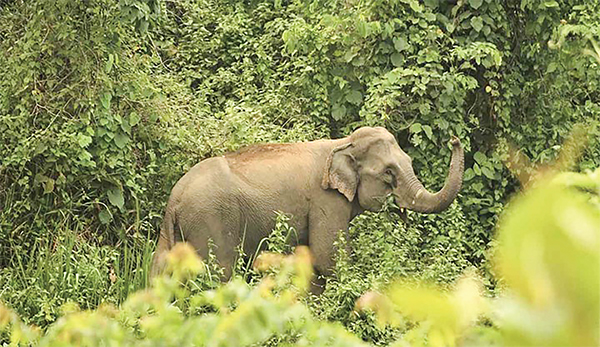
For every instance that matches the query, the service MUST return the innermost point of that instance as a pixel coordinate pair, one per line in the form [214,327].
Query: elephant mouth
[401,212]
[393,205]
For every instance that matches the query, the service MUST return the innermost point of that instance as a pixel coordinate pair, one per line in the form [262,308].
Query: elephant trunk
[426,202]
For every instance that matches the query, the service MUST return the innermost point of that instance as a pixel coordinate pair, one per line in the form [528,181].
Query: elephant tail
[166,240]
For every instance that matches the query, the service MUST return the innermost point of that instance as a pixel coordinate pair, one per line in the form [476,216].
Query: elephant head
[370,166]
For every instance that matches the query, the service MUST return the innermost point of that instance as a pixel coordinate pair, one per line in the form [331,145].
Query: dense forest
[105,104]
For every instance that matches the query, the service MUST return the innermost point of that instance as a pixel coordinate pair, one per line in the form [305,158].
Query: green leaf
[143,26]
[400,43]
[290,40]
[115,196]
[487,30]
[428,131]
[450,27]
[40,148]
[415,6]
[551,67]
[442,123]
[354,97]
[83,140]
[469,174]
[121,140]
[392,76]
[109,63]
[48,185]
[105,216]
[487,172]
[126,127]
[550,4]
[477,23]
[479,157]
[475,3]
[362,27]
[349,56]
[415,128]
[397,59]
[338,112]
[61,179]
[90,131]
[105,99]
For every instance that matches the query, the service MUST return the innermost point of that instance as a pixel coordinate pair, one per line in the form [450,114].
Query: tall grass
[73,266]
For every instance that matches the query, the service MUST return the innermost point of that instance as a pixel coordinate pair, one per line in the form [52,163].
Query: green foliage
[383,248]
[548,257]
[104,104]
[549,260]
[66,268]
[244,315]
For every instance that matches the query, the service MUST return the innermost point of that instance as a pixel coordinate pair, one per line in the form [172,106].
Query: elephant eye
[389,177]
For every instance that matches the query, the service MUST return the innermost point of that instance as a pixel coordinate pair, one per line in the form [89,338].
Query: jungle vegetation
[105,104]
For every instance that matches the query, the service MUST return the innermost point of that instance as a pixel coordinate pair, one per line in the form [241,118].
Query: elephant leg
[324,229]
[225,247]
[213,234]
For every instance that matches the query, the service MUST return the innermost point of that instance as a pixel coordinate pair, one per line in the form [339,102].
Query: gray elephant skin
[323,184]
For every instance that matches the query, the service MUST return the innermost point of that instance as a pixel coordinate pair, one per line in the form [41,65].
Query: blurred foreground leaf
[549,256]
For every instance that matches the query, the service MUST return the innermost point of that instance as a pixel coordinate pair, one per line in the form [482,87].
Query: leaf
[551,67]
[475,3]
[477,23]
[424,108]
[392,76]
[109,63]
[83,140]
[400,43]
[415,128]
[105,216]
[550,4]
[349,56]
[290,40]
[415,6]
[48,185]
[143,26]
[126,127]
[90,131]
[121,140]
[442,123]
[450,27]
[105,99]
[61,179]
[40,148]
[487,172]
[479,157]
[362,28]
[431,3]
[487,30]
[354,97]
[397,59]
[338,112]
[469,174]
[115,196]
[428,131]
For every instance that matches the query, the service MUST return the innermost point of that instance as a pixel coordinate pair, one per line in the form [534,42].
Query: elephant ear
[340,172]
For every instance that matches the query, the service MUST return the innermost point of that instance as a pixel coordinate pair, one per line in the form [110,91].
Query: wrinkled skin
[322,184]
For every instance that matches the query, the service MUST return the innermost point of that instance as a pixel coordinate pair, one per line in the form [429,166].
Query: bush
[548,257]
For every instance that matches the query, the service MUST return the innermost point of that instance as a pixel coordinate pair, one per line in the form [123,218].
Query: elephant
[233,199]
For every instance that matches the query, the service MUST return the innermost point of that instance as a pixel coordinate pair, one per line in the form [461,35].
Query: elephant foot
[317,285]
